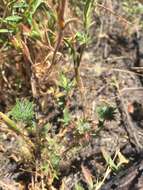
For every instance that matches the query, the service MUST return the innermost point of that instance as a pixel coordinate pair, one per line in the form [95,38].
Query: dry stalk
[120,18]
[61,23]
[130,128]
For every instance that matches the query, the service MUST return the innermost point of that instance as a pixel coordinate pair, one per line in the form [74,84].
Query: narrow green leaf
[5,31]
[109,160]
[87,13]
[13,18]
[34,5]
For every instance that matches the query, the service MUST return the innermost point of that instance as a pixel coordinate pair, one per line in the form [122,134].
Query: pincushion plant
[23,111]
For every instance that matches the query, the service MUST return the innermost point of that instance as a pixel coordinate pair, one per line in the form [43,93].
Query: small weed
[132,8]
[78,186]
[105,113]
[112,166]
[23,111]
[83,126]
[66,117]
[66,84]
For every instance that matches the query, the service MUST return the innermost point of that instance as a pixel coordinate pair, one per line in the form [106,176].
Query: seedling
[83,126]
[78,186]
[105,113]
[23,111]
[66,84]
[66,117]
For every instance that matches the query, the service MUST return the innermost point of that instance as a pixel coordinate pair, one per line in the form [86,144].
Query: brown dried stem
[61,23]
[120,18]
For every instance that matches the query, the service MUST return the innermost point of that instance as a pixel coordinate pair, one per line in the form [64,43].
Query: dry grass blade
[8,186]
[87,175]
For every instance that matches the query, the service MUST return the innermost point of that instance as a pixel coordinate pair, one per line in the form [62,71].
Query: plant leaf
[109,160]
[78,186]
[5,31]
[23,111]
[34,5]
[13,18]
[106,112]
[87,13]
[122,159]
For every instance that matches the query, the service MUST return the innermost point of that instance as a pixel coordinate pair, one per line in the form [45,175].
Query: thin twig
[6,186]
[61,22]
[131,89]
[130,128]
[104,69]
[137,68]
[114,13]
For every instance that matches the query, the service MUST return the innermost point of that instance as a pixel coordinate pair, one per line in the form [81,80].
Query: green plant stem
[12,125]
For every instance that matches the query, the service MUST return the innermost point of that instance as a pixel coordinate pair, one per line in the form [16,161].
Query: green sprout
[66,83]
[66,117]
[23,111]
[83,126]
[106,113]
[78,186]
